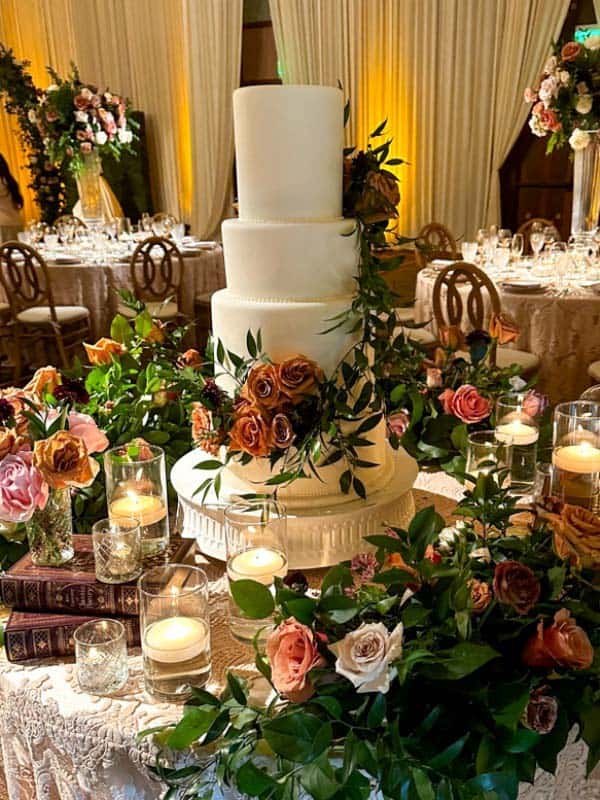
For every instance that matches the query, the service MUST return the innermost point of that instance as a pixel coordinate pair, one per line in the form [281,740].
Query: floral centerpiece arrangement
[46,450]
[448,663]
[563,103]
[440,399]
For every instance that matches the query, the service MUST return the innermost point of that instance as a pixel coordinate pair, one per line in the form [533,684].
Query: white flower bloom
[81,116]
[579,139]
[517,383]
[564,76]
[32,116]
[481,554]
[592,43]
[101,138]
[548,90]
[536,126]
[584,103]
[447,540]
[550,65]
[52,88]
[124,136]
[365,655]
[108,97]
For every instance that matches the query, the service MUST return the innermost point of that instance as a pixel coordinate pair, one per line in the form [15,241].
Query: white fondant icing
[290,261]
[289,152]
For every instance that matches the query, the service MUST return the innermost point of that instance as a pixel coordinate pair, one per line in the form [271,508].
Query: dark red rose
[515,585]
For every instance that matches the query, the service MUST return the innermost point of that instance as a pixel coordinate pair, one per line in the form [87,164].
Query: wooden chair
[164,216]
[34,316]
[69,219]
[450,308]
[156,271]
[435,241]
[526,227]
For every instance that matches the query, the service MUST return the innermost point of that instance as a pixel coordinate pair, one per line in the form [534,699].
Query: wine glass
[536,239]
[504,237]
[146,222]
[469,251]
[551,235]
[517,245]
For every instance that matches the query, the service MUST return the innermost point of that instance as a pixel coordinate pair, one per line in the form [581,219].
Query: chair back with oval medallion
[69,219]
[525,230]
[452,307]
[435,241]
[25,278]
[156,270]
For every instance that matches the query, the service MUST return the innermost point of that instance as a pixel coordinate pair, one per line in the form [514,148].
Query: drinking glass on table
[517,245]
[146,222]
[178,233]
[536,239]
[51,238]
[502,257]
[551,235]
[469,251]
[504,237]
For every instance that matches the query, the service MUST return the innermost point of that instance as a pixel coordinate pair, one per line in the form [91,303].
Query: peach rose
[157,333]
[191,358]
[292,652]
[262,386]
[549,120]
[251,432]
[433,378]
[445,399]
[203,433]
[282,433]
[563,643]
[516,585]
[44,381]
[570,51]
[481,595]
[10,442]
[503,328]
[103,351]
[84,427]
[530,95]
[398,422]
[298,376]
[577,536]
[467,404]
[16,399]
[451,337]
[64,462]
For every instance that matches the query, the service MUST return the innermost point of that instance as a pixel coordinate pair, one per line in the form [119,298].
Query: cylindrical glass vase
[136,489]
[487,453]
[50,531]
[515,426]
[89,188]
[576,453]
[175,630]
[117,551]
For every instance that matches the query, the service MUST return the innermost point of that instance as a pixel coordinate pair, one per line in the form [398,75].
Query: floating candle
[260,564]
[147,509]
[176,639]
[582,458]
[517,433]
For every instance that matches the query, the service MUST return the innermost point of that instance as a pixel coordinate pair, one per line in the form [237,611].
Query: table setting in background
[89,265]
[553,296]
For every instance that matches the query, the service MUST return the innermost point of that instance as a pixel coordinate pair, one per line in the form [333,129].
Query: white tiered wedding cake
[291,261]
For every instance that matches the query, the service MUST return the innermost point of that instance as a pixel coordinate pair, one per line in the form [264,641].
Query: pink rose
[398,422]
[22,488]
[80,101]
[86,147]
[51,116]
[570,51]
[446,400]
[530,95]
[84,427]
[537,109]
[433,378]
[549,119]
[468,405]
[292,653]
[535,403]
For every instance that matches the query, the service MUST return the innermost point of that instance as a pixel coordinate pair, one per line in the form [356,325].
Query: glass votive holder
[576,453]
[117,550]
[175,630]
[520,429]
[101,656]
[487,453]
[136,488]
[255,537]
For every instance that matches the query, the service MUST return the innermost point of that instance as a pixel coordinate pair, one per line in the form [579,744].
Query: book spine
[54,641]
[69,597]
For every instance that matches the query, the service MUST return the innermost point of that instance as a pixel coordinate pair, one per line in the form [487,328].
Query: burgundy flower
[363,567]
[296,581]
[541,712]
[515,585]
[71,391]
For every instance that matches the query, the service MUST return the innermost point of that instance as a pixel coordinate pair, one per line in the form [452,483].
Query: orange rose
[503,328]
[103,351]
[292,652]
[481,595]
[64,462]
[16,398]
[563,643]
[10,442]
[298,376]
[191,358]
[44,381]
[282,433]
[251,432]
[203,433]
[577,536]
[451,336]
[570,51]
[262,387]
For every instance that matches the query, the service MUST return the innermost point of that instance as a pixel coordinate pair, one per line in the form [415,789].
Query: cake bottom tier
[316,536]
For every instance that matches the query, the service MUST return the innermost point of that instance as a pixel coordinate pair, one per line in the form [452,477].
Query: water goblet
[469,251]
[517,245]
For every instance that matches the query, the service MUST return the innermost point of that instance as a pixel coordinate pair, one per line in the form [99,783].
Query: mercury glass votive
[487,453]
[117,550]
[136,488]
[520,429]
[255,537]
[175,630]
[101,656]
[576,453]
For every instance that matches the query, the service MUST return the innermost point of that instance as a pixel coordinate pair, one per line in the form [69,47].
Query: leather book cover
[30,635]
[73,588]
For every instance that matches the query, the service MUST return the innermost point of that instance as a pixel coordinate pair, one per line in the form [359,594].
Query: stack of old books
[48,603]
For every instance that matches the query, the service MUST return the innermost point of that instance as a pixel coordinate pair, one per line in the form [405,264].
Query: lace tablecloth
[95,286]
[61,744]
[561,329]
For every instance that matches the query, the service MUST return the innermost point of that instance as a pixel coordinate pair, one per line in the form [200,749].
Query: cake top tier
[289,152]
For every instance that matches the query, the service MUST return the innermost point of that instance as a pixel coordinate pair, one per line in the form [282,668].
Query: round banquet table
[59,743]
[563,330]
[95,286]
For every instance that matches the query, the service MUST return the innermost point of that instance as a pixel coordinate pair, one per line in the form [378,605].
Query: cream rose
[365,656]
[579,139]
[584,103]
[592,43]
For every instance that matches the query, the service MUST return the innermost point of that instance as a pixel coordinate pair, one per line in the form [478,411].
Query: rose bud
[481,595]
[515,585]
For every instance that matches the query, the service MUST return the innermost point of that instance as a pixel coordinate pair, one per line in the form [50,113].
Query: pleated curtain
[178,61]
[449,76]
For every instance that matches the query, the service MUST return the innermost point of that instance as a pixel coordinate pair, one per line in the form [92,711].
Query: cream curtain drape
[179,62]
[448,74]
